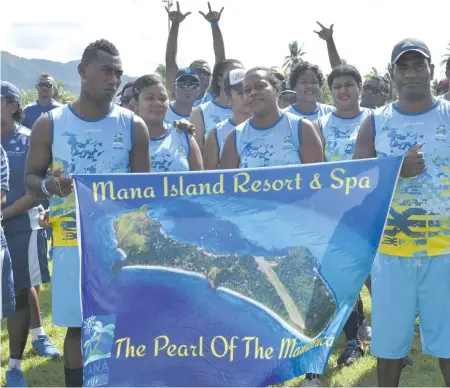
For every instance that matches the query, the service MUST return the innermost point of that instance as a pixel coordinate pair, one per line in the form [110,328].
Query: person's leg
[39,273]
[394,305]
[354,347]
[66,305]
[434,310]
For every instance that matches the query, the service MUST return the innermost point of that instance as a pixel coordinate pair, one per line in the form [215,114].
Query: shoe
[353,350]
[44,347]
[408,361]
[15,378]
[365,331]
[312,380]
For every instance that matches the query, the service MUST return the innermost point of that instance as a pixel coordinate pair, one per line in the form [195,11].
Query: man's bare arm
[327,35]
[213,18]
[140,153]
[365,147]
[197,120]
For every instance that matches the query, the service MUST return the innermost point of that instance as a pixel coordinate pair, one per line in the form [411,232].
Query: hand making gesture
[177,16]
[325,33]
[212,16]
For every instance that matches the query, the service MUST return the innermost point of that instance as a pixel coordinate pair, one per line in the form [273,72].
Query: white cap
[236,78]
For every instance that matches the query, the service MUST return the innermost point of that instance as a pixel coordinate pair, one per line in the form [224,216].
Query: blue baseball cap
[407,45]
[186,74]
[11,91]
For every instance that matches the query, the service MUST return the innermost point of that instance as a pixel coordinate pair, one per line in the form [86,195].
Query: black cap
[186,74]
[11,91]
[407,45]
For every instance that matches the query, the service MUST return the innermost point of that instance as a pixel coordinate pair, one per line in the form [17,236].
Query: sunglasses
[188,85]
[44,85]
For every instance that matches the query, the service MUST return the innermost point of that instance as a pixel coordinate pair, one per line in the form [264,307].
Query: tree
[326,95]
[435,86]
[28,96]
[161,72]
[295,56]
[446,56]
[61,94]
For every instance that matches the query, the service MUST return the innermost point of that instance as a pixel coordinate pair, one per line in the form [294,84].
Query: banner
[224,278]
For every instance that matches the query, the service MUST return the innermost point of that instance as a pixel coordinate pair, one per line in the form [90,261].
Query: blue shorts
[66,287]
[7,288]
[28,252]
[402,287]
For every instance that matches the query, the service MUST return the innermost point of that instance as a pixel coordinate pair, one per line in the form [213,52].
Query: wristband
[214,24]
[44,189]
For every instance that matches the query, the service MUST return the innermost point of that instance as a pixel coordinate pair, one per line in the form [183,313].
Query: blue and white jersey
[213,114]
[340,134]
[171,151]
[4,170]
[16,147]
[172,115]
[322,110]
[34,110]
[222,130]
[206,98]
[83,146]
[277,145]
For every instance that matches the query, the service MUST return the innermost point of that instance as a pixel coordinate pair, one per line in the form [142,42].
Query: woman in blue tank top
[170,149]
[233,86]
[270,137]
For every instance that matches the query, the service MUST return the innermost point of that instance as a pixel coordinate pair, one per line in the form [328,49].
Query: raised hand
[184,125]
[325,33]
[58,185]
[177,16]
[212,16]
[413,163]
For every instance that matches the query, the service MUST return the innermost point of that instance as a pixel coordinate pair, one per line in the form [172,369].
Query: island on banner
[224,278]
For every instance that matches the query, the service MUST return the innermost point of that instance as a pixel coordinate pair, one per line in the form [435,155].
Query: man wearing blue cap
[186,88]
[27,241]
[412,270]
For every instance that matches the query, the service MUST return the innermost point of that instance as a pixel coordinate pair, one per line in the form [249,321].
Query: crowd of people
[229,118]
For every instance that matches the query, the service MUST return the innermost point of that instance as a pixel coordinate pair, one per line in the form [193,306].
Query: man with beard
[412,270]
[89,136]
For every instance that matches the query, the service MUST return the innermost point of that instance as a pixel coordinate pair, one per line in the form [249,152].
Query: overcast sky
[255,32]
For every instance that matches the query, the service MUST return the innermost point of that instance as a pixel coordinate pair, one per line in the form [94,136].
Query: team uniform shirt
[419,221]
[82,146]
[170,152]
[33,111]
[171,115]
[277,145]
[222,130]
[322,110]
[340,134]
[213,114]
[206,98]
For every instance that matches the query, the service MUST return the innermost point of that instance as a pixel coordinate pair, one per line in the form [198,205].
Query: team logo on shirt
[181,151]
[118,140]
[441,133]
[287,142]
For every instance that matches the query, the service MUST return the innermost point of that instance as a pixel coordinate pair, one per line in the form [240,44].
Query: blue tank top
[222,130]
[213,114]
[83,146]
[206,98]
[418,224]
[322,110]
[16,147]
[171,115]
[170,152]
[277,145]
[340,134]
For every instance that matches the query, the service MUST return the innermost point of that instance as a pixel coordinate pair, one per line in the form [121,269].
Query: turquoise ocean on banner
[224,278]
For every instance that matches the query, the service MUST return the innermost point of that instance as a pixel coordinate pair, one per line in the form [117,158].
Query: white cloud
[256,32]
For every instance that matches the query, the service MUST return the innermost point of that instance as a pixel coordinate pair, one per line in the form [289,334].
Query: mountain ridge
[23,72]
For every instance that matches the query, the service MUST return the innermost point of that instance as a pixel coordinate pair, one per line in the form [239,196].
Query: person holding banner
[171,149]
[233,86]
[206,116]
[412,270]
[270,137]
[90,135]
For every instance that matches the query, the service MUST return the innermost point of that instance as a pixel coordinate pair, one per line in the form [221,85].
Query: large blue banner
[224,278]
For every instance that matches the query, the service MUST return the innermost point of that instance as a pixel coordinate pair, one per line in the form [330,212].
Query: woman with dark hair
[170,149]
[307,81]
[205,116]
[270,137]
[126,96]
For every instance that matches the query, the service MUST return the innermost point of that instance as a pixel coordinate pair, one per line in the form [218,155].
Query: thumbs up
[413,162]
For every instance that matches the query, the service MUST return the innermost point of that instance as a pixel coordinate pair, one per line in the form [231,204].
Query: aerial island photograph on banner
[228,277]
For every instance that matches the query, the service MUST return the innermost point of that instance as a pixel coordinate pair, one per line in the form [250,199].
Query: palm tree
[446,56]
[435,86]
[61,94]
[295,56]
[161,72]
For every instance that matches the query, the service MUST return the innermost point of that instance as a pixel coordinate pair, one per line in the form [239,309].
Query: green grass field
[40,372]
